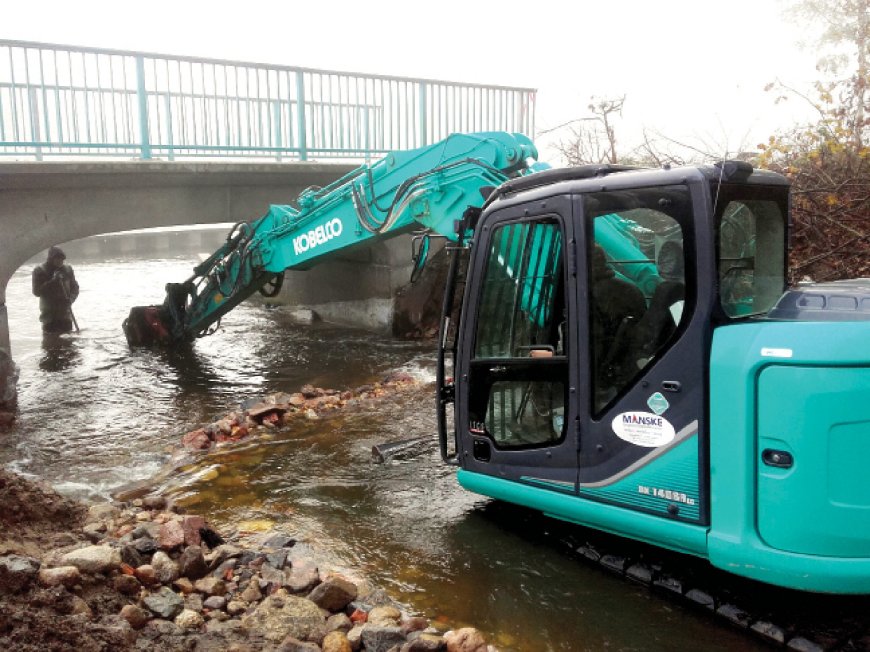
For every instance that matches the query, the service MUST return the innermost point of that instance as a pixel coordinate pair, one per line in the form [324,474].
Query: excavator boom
[428,188]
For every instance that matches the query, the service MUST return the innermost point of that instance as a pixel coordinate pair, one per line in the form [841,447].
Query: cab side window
[751,237]
[637,284]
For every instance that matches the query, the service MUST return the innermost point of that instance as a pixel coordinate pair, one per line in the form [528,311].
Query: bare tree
[593,138]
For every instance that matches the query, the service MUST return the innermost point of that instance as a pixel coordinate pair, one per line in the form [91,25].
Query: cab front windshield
[751,248]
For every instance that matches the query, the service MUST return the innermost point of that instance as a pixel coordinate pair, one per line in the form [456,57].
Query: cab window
[519,371]
[637,282]
[751,252]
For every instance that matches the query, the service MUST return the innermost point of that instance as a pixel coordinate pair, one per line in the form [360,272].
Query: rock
[102,512]
[154,502]
[277,560]
[145,545]
[94,559]
[164,603]
[192,564]
[359,616]
[94,532]
[425,643]
[303,577]
[191,525]
[147,575]
[279,541]
[171,535]
[211,586]
[414,624]
[16,572]
[466,639]
[136,616]
[281,615]
[334,594]
[221,554]
[354,637]
[184,585]
[193,601]
[126,584]
[386,616]
[236,607]
[378,638]
[189,619]
[196,440]
[80,608]
[146,529]
[251,593]
[164,567]
[336,642]
[273,576]
[338,622]
[225,570]
[293,644]
[65,575]
[132,557]
[215,602]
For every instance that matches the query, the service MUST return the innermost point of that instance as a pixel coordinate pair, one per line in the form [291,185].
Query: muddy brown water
[95,415]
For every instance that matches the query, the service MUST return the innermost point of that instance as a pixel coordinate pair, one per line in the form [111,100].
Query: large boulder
[94,559]
[66,575]
[282,615]
[466,639]
[377,638]
[334,594]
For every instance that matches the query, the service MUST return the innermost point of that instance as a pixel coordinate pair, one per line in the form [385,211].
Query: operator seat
[617,306]
[666,306]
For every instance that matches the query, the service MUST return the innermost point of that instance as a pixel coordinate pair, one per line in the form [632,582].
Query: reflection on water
[95,415]
[60,352]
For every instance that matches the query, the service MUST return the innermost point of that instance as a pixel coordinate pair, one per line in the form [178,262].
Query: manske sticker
[643,429]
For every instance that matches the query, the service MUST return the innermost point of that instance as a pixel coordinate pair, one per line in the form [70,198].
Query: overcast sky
[692,70]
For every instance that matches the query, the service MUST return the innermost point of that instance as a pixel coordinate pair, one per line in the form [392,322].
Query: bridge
[95,141]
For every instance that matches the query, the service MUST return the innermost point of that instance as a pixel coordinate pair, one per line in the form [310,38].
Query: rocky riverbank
[143,575]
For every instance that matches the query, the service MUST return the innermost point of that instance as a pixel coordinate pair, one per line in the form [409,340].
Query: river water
[95,415]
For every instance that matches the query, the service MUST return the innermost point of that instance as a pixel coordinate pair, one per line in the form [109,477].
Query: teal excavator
[624,353]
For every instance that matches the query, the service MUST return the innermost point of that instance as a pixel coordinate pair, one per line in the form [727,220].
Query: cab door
[517,379]
[642,432]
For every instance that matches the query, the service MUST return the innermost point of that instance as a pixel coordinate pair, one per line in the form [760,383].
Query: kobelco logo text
[317,236]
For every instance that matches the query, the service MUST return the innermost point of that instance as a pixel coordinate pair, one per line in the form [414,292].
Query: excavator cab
[612,354]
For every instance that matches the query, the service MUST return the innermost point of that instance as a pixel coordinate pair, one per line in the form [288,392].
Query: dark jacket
[56,288]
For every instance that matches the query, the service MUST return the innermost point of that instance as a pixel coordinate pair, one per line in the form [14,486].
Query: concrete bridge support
[42,204]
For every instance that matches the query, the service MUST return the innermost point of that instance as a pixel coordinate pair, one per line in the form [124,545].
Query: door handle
[777,458]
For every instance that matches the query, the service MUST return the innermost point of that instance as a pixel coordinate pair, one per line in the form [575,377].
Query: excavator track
[796,620]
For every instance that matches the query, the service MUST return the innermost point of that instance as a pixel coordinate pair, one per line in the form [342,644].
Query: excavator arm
[429,187]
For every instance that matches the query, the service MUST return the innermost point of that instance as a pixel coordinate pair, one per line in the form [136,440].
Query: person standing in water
[55,284]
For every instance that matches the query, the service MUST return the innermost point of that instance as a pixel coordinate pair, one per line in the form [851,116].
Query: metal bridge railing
[60,101]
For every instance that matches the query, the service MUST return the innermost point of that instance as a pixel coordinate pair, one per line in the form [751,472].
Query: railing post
[422,114]
[170,139]
[300,116]
[34,121]
[276,121]
[141,94]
